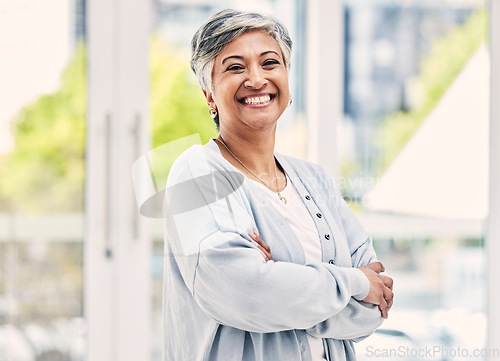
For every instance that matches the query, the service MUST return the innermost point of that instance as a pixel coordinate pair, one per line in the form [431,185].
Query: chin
[262,124]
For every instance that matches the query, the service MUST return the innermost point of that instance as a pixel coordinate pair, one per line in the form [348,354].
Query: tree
[46,169]
[178,106]
[438,70]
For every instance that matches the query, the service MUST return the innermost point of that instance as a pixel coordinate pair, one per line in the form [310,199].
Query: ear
[210,99]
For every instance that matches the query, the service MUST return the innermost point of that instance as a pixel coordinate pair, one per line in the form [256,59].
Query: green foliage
[438,70]
[45,171]
[179,107]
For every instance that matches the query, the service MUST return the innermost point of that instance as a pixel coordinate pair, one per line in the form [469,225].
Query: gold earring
[213,112]
[290,101]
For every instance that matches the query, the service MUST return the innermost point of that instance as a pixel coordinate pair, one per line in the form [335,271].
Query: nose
[256,78]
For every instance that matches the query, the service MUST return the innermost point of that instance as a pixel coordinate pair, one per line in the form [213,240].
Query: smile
[259,100]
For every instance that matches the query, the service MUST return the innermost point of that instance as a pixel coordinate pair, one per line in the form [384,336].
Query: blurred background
[390,96]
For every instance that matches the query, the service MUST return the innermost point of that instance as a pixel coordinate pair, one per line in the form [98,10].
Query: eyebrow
[241,58]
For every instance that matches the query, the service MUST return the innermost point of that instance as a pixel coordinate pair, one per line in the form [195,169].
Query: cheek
[285,89]
[283,83]
[225,91]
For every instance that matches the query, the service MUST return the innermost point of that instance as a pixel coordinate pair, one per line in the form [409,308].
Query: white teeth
[258,100]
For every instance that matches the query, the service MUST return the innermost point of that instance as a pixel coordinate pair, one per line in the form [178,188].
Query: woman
[265,261]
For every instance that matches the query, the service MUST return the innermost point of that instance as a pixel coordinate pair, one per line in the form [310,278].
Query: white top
[299,219]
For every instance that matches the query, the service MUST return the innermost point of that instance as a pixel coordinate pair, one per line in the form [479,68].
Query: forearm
[364,254]
[357,319]
[237,288]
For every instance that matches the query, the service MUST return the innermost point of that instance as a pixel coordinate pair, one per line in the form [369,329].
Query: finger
[389,297]
[267,255]
[259,248]
[259,240]
[262,249]
[390,303]
[377,267]
[388,281]
[383,309]
[264,255]
[256,238]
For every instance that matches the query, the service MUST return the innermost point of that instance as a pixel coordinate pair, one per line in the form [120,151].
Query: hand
[265,250]
[380,287]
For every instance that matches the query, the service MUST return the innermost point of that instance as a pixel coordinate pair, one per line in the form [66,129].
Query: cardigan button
[327,236]
[330,261]
[319,215]
[308,197]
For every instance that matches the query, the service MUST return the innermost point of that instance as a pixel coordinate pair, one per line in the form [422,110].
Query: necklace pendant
[283,199]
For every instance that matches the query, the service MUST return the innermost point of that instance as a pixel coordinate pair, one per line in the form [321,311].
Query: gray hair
[222,28]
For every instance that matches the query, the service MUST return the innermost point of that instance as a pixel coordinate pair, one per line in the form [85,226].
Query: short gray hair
[222,28]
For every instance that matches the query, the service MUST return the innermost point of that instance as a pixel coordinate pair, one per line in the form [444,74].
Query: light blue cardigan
[223,302]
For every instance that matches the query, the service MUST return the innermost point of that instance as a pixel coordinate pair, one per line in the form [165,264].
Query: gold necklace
[283,199]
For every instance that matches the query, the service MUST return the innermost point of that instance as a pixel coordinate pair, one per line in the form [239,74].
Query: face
[250,83]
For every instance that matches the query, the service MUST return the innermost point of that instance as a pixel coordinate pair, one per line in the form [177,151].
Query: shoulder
[198,158]
[181,168]
[204,163]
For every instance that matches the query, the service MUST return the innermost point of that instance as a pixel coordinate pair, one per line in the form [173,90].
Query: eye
[271,62]
[235,67]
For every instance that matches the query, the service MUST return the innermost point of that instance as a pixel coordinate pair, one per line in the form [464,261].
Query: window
[415,165]
[43,121]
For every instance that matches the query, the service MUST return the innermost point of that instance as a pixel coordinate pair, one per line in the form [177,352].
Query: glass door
[42,174]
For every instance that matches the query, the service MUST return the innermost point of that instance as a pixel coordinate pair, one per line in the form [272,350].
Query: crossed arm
[380,293]
[360,317]
[229,281]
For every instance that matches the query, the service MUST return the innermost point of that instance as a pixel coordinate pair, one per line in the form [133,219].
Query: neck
[256,151]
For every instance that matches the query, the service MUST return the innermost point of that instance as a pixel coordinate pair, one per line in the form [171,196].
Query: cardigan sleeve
[227,276]
[359,319]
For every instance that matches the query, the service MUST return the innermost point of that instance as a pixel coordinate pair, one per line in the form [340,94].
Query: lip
[271,96]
